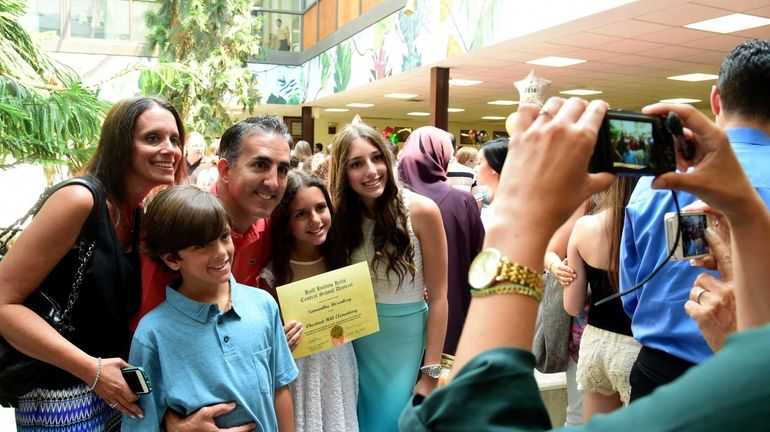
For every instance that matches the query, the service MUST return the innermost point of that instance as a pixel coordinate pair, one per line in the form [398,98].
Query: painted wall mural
[438,29]
[398,43]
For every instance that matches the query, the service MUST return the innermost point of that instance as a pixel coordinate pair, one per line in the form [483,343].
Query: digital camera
[692,238]
[632,143]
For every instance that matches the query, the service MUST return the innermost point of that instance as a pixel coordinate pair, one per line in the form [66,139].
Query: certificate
[335,307]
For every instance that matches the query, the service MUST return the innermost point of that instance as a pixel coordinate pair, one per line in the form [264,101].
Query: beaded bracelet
[98,373]
[526,290]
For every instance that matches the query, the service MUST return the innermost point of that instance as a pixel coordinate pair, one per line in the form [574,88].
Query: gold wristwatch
[491,267]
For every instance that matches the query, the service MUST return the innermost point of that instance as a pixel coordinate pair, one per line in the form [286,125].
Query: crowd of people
[184,275]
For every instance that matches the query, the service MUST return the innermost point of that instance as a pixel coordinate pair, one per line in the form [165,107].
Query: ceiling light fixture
[336,110]
[400,95]
[418,113]
[694,77]
[493,118]
[463,82]
[455,109]
[581,92]
[730,23]
[554,61]
[680,100]
[502,102]
[359,105]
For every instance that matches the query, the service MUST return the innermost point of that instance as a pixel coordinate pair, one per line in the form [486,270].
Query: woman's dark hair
[495,152]
[180,217]
[280,228]
[112,158]
[615,200]
[391,236]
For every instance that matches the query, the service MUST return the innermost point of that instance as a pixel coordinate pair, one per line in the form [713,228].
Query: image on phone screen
[693,235]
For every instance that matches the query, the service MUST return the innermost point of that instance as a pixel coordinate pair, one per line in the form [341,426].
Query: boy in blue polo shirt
[212,340]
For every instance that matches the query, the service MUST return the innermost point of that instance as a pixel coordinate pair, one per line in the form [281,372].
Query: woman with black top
[607,348]
[140,148]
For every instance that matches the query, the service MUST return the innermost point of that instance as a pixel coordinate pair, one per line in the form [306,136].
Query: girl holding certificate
[400,235]
[326,392]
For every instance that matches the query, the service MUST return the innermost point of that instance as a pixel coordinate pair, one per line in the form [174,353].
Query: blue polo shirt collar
[195,310]
[748,136]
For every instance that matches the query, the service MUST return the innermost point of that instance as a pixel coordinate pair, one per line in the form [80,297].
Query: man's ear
[716,102]
[223,166]
[171,262]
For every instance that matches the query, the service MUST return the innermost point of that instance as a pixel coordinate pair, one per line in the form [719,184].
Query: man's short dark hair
[744,81]
[232,140]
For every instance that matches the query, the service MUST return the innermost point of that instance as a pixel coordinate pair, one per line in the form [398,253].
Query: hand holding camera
[717,174]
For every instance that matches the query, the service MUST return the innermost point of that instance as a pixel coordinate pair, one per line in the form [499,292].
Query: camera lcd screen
[693,238]
[632,144]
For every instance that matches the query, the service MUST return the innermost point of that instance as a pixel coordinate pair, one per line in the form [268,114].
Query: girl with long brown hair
[401,236]
[607,348]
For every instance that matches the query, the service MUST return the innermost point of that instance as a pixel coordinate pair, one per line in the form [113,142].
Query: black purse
[19,373]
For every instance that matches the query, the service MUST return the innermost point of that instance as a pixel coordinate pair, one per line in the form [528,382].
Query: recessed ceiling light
[455,109]
[418,113]
[680,100]
[581,92]
[556,61]
[493,118]
[463,82]
[502,102]
[694,77]
[730,23]
[401,95]
[359,105]
[336,110]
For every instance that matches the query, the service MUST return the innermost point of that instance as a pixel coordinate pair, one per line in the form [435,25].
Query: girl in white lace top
[326,392]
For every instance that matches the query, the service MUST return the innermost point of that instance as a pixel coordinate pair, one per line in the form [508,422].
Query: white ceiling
[630,50]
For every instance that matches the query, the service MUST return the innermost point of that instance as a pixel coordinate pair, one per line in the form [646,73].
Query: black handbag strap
[85,244]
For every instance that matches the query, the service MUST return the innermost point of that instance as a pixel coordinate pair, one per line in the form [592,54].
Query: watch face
[433,371]
[483,269]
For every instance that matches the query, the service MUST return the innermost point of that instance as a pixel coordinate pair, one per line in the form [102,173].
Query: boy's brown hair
[180,217]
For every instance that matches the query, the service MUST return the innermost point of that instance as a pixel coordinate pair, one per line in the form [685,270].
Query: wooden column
[308,125]
[439,97]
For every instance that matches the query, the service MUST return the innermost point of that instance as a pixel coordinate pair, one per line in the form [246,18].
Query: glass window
[139,29]
[280,32]
[86,18]
[43,16]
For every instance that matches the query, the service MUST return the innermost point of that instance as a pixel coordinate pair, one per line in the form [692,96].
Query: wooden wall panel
[347,11]
[327,18]
[368,4]
[310,27]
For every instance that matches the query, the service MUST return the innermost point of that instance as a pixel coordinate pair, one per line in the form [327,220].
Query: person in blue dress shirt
[671,341]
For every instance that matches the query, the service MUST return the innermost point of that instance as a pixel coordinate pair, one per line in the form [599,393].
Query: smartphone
[692,240]
[633,143]
[137,380]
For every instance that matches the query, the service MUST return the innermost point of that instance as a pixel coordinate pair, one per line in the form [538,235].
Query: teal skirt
[389,363]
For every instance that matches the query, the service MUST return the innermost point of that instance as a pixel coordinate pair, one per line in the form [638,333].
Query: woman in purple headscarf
[422,168]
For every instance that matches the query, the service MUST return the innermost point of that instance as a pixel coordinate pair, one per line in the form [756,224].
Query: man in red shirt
[254,162]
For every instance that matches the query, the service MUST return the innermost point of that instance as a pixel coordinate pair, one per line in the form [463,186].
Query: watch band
[518,274]
[508,288]
[433,370]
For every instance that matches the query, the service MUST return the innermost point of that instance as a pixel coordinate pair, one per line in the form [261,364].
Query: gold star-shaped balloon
[532,88]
